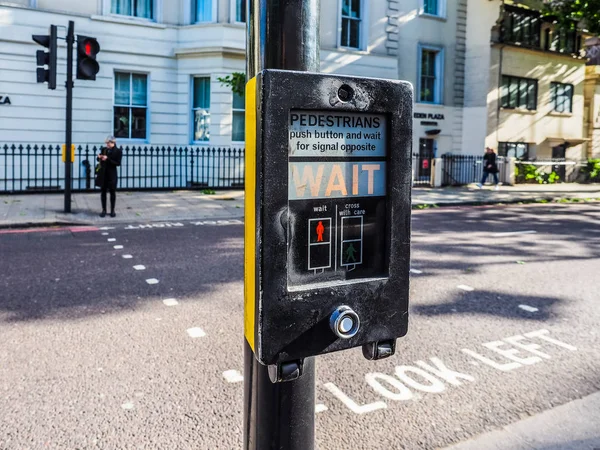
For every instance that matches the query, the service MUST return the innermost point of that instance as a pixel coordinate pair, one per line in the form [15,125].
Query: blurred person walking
[490,166]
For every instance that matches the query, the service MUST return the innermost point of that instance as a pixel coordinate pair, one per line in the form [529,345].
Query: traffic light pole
[69,115]
[281,34]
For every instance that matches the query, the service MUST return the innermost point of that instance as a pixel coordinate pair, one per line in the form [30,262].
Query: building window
[135,8]
[239,118]
[430,74]
[519,150]
[239,9]
[434,7]
[562,97]
[521,27]
[565,40]
[351,23]
[131,105]
[202,10]
[519,93]
[201,109]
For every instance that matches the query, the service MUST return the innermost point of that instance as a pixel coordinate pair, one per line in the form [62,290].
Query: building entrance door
[426,153]
[558,153]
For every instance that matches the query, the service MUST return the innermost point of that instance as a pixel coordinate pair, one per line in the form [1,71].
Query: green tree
[236,81]
[586,11]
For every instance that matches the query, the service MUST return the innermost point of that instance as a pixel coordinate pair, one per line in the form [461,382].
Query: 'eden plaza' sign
[5,100]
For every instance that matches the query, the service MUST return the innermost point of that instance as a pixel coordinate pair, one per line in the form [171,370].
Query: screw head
[345,93]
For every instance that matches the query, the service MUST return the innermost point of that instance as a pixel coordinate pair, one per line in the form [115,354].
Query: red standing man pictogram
[320,231]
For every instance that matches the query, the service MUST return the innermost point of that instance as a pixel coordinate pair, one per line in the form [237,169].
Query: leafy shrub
[528,173]
[592,169]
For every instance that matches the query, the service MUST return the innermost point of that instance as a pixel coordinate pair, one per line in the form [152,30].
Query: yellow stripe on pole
[250,215]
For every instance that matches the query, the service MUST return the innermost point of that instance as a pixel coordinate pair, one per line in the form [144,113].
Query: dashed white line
[320,408]
[233,376]
[196,332]
[417,271]
[127,256]
[118,247]
[107,228]
[104,234]
[152,281]
[170,302]
[528,308]
[464,287]
[514,233]
[139,267]
[111,239]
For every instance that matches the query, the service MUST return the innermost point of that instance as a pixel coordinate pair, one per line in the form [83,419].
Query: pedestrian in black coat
[109,159]
[489,166]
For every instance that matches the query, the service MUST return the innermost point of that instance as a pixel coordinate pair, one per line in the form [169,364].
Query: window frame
[157,12]
[554,96]
[233,12]
[441,7]
[516,34]
[192,109]
[517,107]
[514,146]
[131,106]
[233,110]
[192,11]
[362,38]
[438,93]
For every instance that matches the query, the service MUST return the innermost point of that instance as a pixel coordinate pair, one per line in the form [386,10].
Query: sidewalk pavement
[143,206]
[572,426]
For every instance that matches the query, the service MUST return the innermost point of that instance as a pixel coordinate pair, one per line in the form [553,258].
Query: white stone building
[159,64]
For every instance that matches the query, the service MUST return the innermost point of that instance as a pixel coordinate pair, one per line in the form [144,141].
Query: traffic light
[47,58]
[87,49]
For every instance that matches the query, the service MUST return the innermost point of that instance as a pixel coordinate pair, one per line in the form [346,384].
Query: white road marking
[233,376]
[514,233]
[139,267]
[433,386]
[127,256]
[152,281]
[528,308]
[196,332]
[320,407]
[118,247]
[106,228]
[464,287]
[111,239]
[417,271]
[541,334]
[128,405]
[105,234]
[351,404]
[170,302]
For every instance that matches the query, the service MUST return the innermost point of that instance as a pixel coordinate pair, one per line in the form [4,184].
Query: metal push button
[344,322]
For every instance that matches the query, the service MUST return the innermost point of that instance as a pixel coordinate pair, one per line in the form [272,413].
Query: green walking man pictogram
[350,251]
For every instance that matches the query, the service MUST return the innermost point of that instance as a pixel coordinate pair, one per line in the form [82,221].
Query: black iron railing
[39,168]
[459,170]
[422,166]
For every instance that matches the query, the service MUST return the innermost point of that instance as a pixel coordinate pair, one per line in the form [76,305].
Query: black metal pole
[69,118]
[282,34]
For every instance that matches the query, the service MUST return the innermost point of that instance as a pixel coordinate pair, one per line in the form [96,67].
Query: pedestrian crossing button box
[328,214]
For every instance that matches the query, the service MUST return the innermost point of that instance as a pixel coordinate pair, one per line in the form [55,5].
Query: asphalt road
[504,324]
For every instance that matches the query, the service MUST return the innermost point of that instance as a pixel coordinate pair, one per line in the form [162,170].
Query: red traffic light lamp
[87,49]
